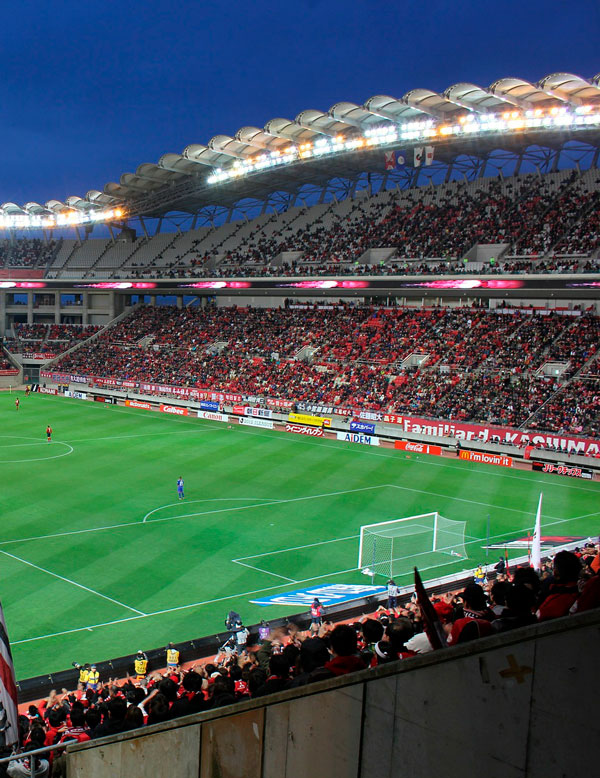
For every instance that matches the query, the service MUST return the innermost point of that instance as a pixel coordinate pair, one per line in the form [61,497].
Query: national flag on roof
[9,731]
[394,159]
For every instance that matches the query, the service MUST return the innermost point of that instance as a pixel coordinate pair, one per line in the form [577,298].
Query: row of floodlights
[420,130]
[67,218]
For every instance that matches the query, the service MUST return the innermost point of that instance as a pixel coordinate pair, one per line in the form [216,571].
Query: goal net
[392,548]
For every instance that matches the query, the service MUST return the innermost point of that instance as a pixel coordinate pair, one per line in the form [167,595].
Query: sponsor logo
[482,434]
[572,472]
[361,426]
[137,404]
[313,421]
[357,437]
[212,416]
[9,372]
[43,390]
[174,410]
[238,410]
[209,406]
[76,395]
[418,448]
[264,423]
[263,413]
[99,398]
[486,458]
[328,594]
[314,432]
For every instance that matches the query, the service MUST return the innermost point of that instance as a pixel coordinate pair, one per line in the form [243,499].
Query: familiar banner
[358,437]
[328,594]
[441,428]
[299,429]
[486,458]
[252,422]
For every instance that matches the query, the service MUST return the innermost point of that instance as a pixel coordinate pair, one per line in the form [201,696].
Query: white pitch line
[204,499]
[266,504]
[40,459]
[73,583]
[368,451]
[266,572]
[229,596]
[296,548]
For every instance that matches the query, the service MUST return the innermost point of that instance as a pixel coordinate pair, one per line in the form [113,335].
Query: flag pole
[536,550]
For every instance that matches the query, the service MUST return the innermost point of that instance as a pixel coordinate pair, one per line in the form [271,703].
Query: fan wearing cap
[140,665]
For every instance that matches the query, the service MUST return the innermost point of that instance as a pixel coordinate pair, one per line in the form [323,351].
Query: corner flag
[536,552]
[9,731]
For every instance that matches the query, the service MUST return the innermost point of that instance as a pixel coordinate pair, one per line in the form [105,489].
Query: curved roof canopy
[344,121]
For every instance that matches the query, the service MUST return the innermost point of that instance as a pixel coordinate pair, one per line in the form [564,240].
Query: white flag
[428,155]
[536,552]
[418,156]
[9,731]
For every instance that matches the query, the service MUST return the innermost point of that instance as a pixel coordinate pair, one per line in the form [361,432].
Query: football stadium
[248,388]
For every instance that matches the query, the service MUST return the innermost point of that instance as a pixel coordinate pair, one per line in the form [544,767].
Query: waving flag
[9,732]
[536,552]
[431,622]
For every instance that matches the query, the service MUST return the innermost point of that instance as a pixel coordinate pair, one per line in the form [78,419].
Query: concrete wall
[523,704]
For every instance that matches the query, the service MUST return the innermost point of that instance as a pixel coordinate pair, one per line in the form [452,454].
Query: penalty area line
[73,583]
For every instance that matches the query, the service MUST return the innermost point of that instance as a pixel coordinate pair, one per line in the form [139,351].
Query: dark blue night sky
[89,91]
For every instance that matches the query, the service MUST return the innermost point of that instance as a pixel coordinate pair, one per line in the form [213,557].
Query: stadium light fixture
[419,130]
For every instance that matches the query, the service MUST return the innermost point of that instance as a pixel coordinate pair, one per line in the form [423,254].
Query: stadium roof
[466,118]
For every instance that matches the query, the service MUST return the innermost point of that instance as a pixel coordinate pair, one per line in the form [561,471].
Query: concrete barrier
[516,704]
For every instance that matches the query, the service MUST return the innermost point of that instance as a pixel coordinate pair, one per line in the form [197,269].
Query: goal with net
[392,548]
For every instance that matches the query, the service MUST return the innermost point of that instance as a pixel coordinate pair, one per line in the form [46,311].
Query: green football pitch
[99,558]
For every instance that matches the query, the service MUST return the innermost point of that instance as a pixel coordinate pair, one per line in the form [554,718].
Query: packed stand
[249,667]
[468,364]
[575,409]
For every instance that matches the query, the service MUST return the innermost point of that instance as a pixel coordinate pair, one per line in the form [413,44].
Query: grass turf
[85,578]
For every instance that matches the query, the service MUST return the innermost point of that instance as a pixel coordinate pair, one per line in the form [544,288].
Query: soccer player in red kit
[49,433]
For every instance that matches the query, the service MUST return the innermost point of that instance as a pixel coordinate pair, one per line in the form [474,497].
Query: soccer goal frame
[393,547]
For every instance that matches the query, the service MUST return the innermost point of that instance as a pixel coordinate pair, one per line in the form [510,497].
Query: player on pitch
[180,493]
[49,433]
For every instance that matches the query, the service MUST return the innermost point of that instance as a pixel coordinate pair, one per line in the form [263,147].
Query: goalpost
[391,548]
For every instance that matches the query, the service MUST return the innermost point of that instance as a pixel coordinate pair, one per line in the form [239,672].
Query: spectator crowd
[466,363]
[283,658]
